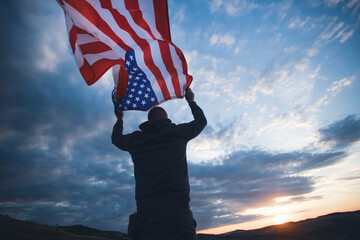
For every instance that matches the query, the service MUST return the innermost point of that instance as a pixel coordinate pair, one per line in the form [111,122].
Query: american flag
[133,38]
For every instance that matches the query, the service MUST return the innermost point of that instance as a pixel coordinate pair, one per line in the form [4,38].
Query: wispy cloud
[296,22]
[336,30]
[332,3]
[302,65]
[346,35]
[233,7]
[353,6]
[335,88]
[226,39]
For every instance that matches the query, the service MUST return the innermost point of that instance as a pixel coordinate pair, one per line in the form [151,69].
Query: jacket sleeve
[117,137]
[192,129]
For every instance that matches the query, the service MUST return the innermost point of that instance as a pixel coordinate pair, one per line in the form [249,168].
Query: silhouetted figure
[162,190]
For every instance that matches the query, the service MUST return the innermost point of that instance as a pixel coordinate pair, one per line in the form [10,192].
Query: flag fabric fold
[133,38]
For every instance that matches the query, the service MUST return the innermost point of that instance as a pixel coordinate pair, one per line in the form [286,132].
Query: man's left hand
[118,112]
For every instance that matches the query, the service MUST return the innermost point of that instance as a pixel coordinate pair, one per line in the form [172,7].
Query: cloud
[302,65]
[296,22]
[233,7]
[283,8]
[335,88]
[249,179]
[346,36]
[341,133]
[179,15]
[240,47]
[316,72]
[354,6]
[352,3]
[277,76]
[332,3]
[52,48]
[58,163]
[312,52]
[350,178]
[331,30]
[335,30]
[205,68]
[226,39]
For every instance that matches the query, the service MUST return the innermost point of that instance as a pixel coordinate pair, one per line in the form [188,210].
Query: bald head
[157,113]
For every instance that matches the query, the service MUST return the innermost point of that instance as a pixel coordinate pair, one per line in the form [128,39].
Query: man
[162,190]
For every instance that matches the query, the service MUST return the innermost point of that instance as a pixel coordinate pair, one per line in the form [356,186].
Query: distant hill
[13,229]
[335,226]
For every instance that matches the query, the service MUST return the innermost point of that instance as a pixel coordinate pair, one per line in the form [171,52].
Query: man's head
[157,113]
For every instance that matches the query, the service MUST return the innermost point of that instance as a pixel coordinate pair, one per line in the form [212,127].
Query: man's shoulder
[136,133]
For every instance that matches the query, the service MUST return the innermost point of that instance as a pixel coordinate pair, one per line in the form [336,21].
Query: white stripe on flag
[115,72]
[92,58]
[147,9]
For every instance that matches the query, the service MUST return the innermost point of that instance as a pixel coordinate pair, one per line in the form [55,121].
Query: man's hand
[118,113]
[189,95]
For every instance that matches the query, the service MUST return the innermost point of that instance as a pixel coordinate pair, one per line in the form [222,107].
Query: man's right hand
[189,95]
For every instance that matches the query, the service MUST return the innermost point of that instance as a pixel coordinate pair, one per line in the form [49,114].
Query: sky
[279,83]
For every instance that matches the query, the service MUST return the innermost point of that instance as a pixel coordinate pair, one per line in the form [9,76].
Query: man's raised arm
[117,137]
[193,128]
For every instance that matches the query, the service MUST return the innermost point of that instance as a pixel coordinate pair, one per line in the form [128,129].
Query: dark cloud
[249,179]
[58,165]
[342,133]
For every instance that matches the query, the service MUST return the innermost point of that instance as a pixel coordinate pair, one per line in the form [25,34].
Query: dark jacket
[159,155]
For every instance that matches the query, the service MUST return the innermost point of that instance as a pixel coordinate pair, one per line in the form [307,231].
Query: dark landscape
[339,226]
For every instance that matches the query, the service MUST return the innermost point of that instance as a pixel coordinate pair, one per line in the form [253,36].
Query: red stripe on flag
[122,81]
[82,31]
[162,18]
[142,43]
[73,38]
[91,73]
[94,47]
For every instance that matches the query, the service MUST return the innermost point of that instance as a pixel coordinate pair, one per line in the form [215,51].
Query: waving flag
[133,38]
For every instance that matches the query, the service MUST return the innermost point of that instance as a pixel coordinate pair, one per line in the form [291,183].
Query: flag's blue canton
[139,93]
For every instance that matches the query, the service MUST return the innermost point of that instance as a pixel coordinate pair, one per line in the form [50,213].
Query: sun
[281,218]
